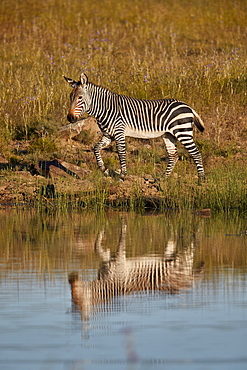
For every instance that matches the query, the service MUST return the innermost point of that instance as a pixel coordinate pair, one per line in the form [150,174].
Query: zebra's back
[152,118]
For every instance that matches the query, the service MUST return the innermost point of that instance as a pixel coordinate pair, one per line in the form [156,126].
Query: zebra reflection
[173,272]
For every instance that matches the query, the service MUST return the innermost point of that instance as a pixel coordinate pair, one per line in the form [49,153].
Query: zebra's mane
[102,89]
[106,91]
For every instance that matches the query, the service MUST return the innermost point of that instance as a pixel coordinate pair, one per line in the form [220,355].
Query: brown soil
[22,183]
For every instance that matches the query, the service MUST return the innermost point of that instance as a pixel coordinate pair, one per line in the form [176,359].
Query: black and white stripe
[120,275]
[119,116]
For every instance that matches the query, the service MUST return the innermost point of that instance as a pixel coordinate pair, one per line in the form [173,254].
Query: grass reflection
[47,243]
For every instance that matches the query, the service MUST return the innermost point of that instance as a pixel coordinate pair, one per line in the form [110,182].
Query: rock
[58,168]
[74,129]
[55,172]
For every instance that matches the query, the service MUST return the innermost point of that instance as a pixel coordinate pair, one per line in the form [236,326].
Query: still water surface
[164,291]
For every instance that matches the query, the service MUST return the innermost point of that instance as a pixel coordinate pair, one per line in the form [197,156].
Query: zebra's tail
[198,121]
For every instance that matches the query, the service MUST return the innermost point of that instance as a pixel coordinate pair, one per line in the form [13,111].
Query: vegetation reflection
[52,244]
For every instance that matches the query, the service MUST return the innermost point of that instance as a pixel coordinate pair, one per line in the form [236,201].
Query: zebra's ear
[83,79]
[72,83]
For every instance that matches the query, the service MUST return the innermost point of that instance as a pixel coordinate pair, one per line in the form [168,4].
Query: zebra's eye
[79,97]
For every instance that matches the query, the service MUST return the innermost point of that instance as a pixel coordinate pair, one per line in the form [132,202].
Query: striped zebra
[119,116]
[172,273]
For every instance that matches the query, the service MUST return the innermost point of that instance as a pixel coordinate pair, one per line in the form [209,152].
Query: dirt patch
[23,187]
[75,175]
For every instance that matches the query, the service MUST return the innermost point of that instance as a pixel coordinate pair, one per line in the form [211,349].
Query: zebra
[171,272]
[119,116]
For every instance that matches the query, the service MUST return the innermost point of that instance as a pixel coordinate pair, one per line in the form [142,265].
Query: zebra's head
[79,98]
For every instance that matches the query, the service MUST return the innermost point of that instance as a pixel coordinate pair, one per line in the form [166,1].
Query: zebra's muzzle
[71,118]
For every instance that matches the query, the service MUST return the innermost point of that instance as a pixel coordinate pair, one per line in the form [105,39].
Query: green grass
[224,191]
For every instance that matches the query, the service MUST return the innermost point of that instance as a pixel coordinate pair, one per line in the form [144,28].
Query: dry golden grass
[190,50]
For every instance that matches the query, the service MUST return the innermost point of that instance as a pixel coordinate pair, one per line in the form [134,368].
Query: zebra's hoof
[121,177]
[201,179]
[106,172]
[117,175]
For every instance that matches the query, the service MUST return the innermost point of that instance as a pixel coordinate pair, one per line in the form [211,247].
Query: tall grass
[191,50]
[225,190]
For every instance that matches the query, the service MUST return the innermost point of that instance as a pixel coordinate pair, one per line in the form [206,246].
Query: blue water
[201,329]
[204,327]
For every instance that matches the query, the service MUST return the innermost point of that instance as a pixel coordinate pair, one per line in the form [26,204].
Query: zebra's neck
[102,101]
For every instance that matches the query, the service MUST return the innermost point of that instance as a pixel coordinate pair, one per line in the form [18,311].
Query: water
[193,315]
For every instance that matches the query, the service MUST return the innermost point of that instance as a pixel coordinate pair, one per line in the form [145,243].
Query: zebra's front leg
[170,144]
[121,149]
[104,142]
[104,254]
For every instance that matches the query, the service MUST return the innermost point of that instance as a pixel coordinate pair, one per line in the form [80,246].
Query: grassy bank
[190,50]
[224,191]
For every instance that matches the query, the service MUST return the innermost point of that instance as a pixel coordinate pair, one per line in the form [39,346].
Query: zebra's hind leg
[104,142]
[170,144]
[121,149]
[196,155]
